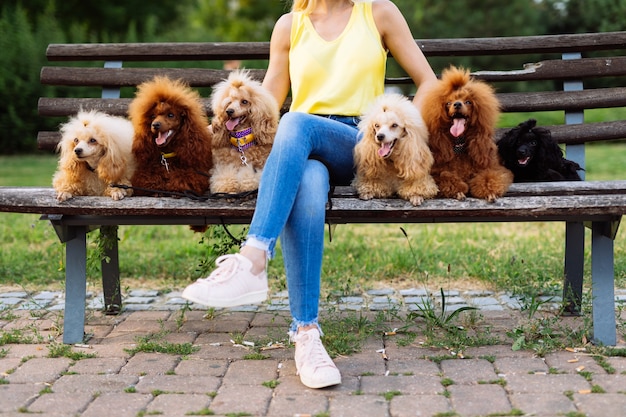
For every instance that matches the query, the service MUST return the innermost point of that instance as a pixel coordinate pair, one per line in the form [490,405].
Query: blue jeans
[309,153]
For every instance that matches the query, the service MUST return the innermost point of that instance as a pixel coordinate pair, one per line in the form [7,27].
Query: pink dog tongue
[232,123]
[384,150]
[458,127]
[161,138]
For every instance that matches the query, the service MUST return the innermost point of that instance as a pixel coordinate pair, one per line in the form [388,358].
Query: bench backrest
[564,64]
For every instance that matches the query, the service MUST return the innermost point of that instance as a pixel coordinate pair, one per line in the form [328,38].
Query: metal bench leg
[75,285]
[602,281]
[574,267]
[111,271]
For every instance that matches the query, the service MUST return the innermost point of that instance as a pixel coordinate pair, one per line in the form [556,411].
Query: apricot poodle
[392,156]
[172,143]
[461,114]
[245,118]
[95,153]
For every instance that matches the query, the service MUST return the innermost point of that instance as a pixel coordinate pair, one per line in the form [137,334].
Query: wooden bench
[557,75]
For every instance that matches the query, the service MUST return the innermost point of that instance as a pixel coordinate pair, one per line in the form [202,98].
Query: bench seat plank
[346,208]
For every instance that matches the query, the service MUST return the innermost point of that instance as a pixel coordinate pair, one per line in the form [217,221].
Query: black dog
[532,155]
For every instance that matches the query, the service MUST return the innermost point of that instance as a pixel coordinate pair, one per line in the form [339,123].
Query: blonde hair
[306,6]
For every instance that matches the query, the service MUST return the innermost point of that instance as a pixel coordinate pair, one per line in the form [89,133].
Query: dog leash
[190,194]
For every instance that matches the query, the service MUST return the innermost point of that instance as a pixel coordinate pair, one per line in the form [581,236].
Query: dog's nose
[156,125]
[78,151]
[230,112]
[380,137]
[457,105]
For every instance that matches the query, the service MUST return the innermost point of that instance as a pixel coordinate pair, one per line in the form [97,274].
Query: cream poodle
[245,118]
[95,153]
[393,156]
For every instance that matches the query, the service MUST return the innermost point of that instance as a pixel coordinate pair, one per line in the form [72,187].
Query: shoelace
[315,352]
[223,272]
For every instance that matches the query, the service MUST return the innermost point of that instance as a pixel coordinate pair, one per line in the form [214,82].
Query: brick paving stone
[569,362]
[304,405]
[418,367]
[359,406]
[364,363]
[520,366]
[251,372]
[178,405]
[601,405]
[229,400]
[39,370]
[201,367]
[94,383]
[543,404]
[178,384]
[68,403]
[408,385]
[419,406]
[144,363]
[479,400]
[618,363]
[98,366]
[15,396]
[611,383]
[20,351]
[8,364]
[543,384]
[123,405]
[468,371]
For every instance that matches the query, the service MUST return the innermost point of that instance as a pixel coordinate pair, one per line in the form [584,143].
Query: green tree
[581,16]
[23,54]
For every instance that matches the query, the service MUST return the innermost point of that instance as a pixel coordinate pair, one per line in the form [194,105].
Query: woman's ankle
[258,257]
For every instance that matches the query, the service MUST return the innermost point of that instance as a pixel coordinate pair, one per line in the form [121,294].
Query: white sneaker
[315,367]
[231,284]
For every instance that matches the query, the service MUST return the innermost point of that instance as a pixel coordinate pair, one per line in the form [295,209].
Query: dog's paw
[366,195]
[460,196]
[491,198]
[118,194]
[63,196]
[416,200]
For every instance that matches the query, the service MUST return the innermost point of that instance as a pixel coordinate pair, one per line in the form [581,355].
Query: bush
[23,47]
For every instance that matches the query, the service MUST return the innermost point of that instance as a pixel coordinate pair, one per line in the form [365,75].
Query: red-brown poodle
[172,142]
[461,114]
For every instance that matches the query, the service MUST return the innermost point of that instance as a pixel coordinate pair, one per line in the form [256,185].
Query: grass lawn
[514,256]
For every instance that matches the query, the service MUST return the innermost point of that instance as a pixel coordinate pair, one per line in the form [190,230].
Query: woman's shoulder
[283,24]
[384,8]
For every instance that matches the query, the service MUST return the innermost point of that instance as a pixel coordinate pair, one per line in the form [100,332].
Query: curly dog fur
[245,118]
[95,152]
[392,156]
[532,155]
[172,143]
[461,113]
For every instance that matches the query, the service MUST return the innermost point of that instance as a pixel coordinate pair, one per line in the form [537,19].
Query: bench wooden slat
[130,77]
[510,102]
[344,209]
[564,134]
[167,51]
[203,77]
[184,51]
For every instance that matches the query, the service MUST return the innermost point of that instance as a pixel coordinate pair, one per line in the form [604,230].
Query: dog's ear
[548,148]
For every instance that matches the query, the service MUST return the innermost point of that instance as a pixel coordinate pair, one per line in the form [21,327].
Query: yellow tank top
[342,76]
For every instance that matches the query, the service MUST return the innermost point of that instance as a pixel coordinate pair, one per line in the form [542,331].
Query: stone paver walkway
[240,362]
